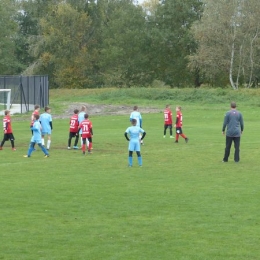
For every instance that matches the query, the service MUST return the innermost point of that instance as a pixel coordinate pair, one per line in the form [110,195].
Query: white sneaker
[164,136]
[69,148]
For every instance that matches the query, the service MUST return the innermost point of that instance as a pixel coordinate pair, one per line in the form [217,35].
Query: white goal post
[6,102]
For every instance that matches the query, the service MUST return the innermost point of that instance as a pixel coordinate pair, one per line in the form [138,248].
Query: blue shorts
[46,133]
[134,145]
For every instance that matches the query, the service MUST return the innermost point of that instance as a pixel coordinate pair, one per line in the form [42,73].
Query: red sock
[84,147]
[89,146]
[177,137]
[184,136]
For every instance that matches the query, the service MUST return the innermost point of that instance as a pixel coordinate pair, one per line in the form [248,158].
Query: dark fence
[26,91]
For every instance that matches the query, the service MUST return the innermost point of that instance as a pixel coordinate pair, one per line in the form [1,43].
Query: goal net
[5,99]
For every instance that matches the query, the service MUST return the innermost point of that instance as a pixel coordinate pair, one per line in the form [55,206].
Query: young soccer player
[82,113]
[36,138]
[74,125]
[178,125]
[167,120]
[137,116]
[35,112]
[87,133]
[134,142]
[8,132]
[46,123]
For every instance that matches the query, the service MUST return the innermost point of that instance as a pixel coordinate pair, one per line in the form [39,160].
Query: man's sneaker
[171,136]
[46,156]
[186,140]
[176,141]
[26,156]
[14,149]
[164,136]
[75,147]
[1,148]
[69,148]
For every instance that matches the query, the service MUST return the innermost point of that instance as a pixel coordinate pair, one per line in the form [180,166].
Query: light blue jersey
[134,143]
[37,135]
[136,115]
[45,120]
[81,118]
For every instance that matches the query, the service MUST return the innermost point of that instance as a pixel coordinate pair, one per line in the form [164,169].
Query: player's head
[37,107]
[7,112]
[167,106]
[76,111]
[47,109]
[178,108]
[233,104]
[36,117]
[86,116]
[133,121]
[135,107]
[83,108]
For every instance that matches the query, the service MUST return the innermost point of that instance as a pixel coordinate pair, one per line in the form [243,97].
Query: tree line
[120,43]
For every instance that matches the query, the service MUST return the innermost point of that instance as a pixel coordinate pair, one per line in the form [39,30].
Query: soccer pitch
[182,204]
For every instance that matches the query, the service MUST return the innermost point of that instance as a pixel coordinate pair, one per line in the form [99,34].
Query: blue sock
[130,161]
[140,161]
[43,149]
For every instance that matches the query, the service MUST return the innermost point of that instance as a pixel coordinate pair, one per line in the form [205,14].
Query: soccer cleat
[46,156]
[69,148]
[26,156]
[164,136]
[171,136]
[83,153]
[75,147]
[176,141]
[186,140]
[14,149]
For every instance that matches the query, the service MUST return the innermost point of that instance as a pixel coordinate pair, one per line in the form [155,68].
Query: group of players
[81,127]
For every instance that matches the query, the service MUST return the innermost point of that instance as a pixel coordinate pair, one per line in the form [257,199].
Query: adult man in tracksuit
[233,120]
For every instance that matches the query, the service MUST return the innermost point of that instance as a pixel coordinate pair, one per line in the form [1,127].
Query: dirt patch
[105,110]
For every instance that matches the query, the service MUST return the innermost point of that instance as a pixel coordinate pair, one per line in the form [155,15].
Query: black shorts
[9,137]
[178,130]
[72,134]
[166,126]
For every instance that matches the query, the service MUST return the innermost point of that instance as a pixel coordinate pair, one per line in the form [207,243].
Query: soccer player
[82,113]
[167,120]
[8,132]
[234,123]
[35,112]
[74,125]
[178,125]
[137,116]
[134,142]
[87,133]
[46,122]
[36,138]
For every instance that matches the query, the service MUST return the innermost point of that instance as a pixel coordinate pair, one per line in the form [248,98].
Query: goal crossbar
[8,99]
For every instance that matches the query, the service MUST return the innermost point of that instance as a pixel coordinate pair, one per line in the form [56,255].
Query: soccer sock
[42,141]
[140,161]
[184,136]
[12,143]
[84,147]
[89,146]
[69,142]
[48,144]
[177,137]
[130,161]
[76,140]
[30,150]
[43,149]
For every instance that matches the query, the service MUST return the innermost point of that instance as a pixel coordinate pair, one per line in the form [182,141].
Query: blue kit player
[36,138]
[81,117]
[46,122]
[137,116]
[134,143]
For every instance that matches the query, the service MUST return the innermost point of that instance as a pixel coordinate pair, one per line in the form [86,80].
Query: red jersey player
[167,120]
[8,132]
[35,112]
[178,125]
[74,129]
[87,133]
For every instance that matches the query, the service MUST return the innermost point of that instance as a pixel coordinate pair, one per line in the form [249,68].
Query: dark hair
[7,112]
[36,106]
[135,107]
[47,108]
[233,104]
[36,116]
[86,116]
[76,111]
[134,121]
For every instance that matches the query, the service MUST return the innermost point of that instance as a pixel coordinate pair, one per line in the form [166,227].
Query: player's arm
[141,121]
[126,137]
[143,135]
[91,131]
[51,125]
[5,125]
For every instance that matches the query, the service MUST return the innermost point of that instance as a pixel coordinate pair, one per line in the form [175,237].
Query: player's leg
[164,130]
[76,141]
[43,139]
[89,144]
[83,145]
[170,126]
[178,130]
[130,158]
[69,140]
[237,145]
[49,141]
[31,148]
[11,136]
[2,143]
[227,148]
[44,149]
[139,158]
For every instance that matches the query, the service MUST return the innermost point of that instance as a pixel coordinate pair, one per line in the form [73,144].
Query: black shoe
[176,141]
[186,140]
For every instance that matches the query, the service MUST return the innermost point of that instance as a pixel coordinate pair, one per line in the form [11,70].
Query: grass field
[182,204]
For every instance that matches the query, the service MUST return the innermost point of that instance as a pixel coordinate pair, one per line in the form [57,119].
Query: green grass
[182,204]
